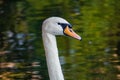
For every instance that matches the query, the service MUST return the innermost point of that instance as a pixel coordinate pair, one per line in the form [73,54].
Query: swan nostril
[71,30]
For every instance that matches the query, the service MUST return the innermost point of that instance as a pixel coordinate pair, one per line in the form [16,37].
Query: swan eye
[63,25]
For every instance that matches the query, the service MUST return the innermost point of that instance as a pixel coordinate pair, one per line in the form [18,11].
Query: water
[96,57]
[17,58]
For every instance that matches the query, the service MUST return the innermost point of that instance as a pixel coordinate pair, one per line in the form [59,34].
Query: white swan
[51,27]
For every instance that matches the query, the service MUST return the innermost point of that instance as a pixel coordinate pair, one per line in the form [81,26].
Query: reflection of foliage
[96,21]
[10,76]
[17,59]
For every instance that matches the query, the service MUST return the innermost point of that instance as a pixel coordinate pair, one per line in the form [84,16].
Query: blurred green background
[96,57]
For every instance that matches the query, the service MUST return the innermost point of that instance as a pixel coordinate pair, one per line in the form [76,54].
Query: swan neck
[51,52]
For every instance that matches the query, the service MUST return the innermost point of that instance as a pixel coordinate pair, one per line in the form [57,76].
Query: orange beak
[68,31]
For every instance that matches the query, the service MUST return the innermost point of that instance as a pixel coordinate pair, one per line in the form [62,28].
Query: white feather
[50,28]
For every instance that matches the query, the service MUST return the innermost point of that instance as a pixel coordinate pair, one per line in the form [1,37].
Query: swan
[50,28]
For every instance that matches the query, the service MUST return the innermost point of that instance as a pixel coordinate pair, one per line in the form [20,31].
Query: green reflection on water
[93,58]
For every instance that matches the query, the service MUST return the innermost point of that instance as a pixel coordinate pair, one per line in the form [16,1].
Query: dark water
[96,57]
[17,57]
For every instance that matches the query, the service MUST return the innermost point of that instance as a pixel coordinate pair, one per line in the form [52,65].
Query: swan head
[59,26]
